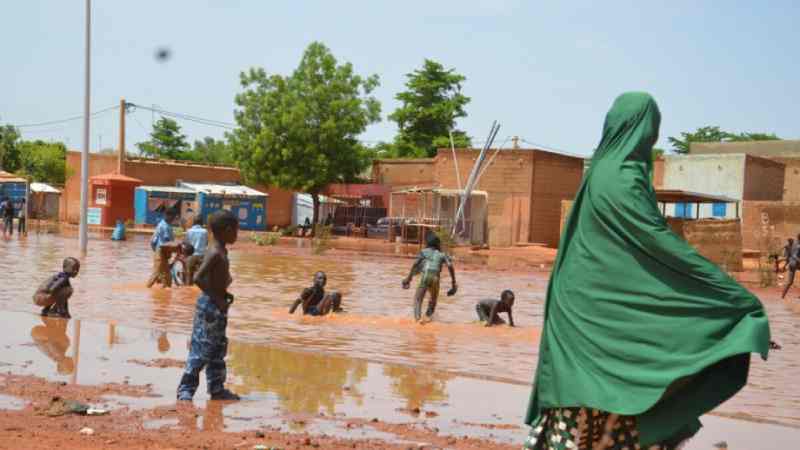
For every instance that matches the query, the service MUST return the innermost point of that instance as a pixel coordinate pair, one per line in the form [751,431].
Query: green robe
[636,321]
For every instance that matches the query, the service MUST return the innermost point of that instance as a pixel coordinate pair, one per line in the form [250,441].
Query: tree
[43,161]
[429,108]
[166,141]
[300,132]
[9,150]
[212,151]
[714,134]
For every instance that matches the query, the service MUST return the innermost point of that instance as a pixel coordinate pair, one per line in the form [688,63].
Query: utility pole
[515,142]
[121,160]
[83,231]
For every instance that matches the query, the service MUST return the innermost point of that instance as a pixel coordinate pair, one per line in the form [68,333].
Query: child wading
[198,237]
[315,301]
[489,310]
[164,246]
[209,344]
[55,292]
[429,264]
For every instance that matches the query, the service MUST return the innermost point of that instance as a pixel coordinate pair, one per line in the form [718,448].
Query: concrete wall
[791,177]
[766,149]
[164,173]
[707,174]
[763,179]
[658,173]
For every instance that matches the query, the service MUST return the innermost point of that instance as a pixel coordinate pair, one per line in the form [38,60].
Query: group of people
[9,210]
[641,334]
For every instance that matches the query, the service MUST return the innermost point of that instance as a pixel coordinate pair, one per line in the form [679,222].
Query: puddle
[370,362]
[10,403]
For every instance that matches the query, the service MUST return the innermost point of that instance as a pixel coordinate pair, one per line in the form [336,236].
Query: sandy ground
[32,428]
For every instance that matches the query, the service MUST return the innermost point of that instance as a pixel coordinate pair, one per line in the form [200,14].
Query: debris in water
[87,431]
[96,412]
[59,407]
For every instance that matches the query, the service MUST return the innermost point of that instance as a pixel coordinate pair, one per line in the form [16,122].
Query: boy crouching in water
[209,345]
[53,295]
[429,264]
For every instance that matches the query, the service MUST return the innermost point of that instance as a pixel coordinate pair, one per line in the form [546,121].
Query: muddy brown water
[373,358]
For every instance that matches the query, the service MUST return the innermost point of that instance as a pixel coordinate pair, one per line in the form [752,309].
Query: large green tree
[429,108]
[300,132]
[9,149]
[682,144]
[212,151]
[166,141]
[43,161]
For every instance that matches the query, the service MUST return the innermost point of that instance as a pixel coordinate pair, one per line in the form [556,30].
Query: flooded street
[452,374]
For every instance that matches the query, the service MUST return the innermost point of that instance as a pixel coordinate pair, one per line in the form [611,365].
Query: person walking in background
[642,335]
[792,264]
[197,236]
[7,214]
[22,227]
[164,246]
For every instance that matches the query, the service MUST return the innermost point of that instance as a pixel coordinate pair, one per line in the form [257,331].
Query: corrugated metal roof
[224,189]
[175,189]
[43,187]
[440,191]
[6,177]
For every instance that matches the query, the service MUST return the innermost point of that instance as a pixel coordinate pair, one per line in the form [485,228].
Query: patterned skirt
[586,429]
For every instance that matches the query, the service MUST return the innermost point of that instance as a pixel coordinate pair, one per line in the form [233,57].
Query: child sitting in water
[55,292]
[489,310]
[315,301]
[429,263]
[209,345]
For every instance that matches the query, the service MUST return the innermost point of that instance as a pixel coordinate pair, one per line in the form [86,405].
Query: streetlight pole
[83,232]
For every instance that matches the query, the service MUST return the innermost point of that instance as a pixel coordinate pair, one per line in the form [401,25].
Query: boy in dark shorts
[429,264]
[209,344]
[489,310]
[315,301]
[7,214]
[55,292]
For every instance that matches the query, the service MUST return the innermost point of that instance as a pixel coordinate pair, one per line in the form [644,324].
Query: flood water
[375,350]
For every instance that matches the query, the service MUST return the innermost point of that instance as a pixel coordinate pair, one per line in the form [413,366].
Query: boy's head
[187,249]
[71,266]
[224,226]
[197,220]
[320,279]
[507,297]
[791,241]
[170,215]
[434,242]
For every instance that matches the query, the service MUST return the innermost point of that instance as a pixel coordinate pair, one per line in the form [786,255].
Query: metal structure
[83,231]
[435,208]
[472,180]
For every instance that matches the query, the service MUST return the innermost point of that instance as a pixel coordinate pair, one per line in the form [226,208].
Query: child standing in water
[429,264]
[55,292]
[198,237]
[209,343]
[164,246]
[489,310]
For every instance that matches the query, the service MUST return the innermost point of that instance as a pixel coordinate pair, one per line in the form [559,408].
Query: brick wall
[763,179]
[720,241]
[159,173]
[791,177]
[766,224]
[555,178]
[658,173]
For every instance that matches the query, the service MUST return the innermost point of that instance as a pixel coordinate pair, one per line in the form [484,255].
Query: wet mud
[320,376]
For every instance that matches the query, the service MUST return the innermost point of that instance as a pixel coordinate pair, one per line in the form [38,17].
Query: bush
[262,239]
[291,230]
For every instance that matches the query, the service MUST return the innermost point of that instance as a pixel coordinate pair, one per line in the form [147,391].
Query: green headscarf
[636,321]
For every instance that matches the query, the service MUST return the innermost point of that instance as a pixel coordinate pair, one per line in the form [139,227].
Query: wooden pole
[121,159]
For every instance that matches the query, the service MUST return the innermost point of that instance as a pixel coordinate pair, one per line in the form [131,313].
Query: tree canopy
[166,141]
[300,132]
[429,108]
[682,144]
[43,161]
[212,151]
[9,150]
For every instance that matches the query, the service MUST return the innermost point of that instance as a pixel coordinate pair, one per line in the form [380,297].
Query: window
[683,210]
[720,210]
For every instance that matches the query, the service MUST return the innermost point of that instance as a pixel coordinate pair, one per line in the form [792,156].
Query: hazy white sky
[547,70]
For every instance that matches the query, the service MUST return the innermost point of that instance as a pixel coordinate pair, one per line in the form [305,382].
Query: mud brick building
[163,173]
[525,188]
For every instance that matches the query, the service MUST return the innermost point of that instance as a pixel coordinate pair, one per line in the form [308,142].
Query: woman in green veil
[641,334]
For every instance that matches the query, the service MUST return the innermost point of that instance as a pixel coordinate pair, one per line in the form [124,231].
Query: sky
[546,70]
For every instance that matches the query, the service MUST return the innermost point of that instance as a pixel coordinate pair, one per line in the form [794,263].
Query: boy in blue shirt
[197,236]
[429,264]
[164,246]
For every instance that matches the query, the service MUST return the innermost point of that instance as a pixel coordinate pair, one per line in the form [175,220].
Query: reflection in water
[303,382]
[51,338]
[418,387]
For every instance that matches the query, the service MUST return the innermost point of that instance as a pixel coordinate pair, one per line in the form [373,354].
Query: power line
[551,149]
[68,119]
[190,118]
